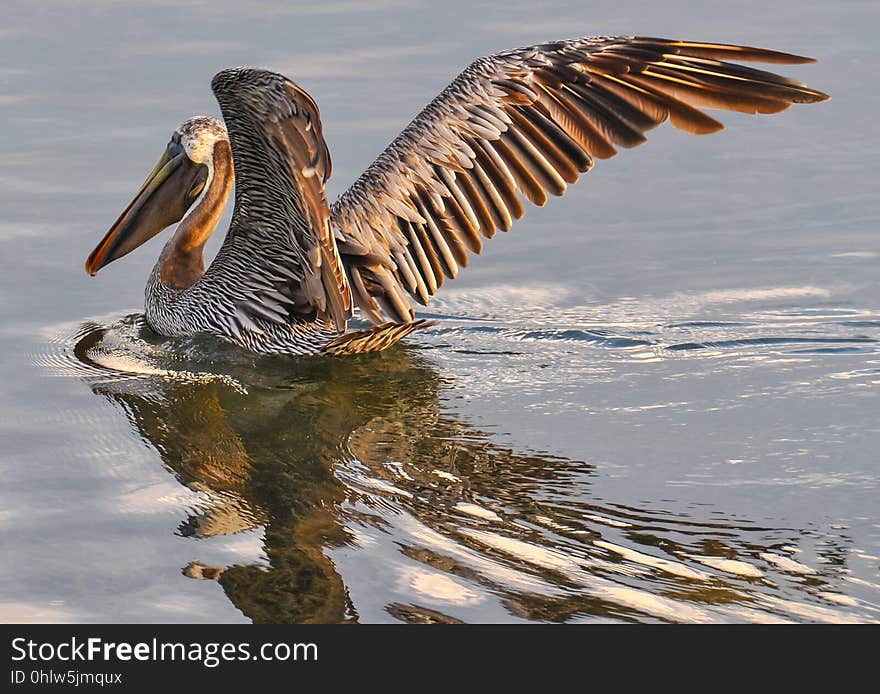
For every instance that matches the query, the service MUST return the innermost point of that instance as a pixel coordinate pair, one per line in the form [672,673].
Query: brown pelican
[525,122]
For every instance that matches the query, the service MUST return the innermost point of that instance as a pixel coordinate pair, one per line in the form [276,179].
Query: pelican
[514,126]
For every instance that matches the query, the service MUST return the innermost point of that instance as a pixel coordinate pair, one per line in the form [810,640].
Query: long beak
[162,200]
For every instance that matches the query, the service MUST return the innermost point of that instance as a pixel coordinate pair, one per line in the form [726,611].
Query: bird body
[518,125]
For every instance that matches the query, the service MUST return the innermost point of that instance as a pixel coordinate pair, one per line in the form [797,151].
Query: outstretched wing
[527,122]
[279,246]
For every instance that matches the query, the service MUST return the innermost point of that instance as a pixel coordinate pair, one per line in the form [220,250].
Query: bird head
[175,185]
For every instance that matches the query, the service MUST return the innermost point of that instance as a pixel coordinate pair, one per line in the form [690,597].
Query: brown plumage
[529,122]
[373,339]
[300,136]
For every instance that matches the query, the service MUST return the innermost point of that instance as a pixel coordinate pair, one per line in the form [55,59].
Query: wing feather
[529,122]
[280,252]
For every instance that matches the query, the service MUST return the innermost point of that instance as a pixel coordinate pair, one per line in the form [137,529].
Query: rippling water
[655,400]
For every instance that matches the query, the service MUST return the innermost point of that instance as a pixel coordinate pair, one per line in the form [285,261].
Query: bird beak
[163,199]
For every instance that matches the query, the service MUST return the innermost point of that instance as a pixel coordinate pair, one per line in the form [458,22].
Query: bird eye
[174,148]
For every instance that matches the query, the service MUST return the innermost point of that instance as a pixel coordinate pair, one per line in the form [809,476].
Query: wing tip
[731,50]
[800,59]
[814,96]
[710,130]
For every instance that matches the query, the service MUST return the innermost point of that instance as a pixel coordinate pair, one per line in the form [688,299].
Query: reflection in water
[359,454]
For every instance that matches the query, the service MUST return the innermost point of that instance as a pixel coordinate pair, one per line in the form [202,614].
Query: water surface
[655,400]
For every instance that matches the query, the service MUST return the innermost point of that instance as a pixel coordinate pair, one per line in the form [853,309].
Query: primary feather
[528,121]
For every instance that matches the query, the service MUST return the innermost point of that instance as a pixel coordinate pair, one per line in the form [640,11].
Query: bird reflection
[272,458]
[313,449]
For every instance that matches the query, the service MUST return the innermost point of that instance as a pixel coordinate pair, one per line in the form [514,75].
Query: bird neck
[182,261]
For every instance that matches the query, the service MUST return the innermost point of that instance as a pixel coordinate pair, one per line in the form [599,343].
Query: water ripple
[346,468]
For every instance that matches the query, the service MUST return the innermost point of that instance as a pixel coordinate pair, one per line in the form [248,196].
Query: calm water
[656,400]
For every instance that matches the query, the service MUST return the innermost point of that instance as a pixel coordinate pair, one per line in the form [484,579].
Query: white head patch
[198,135]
